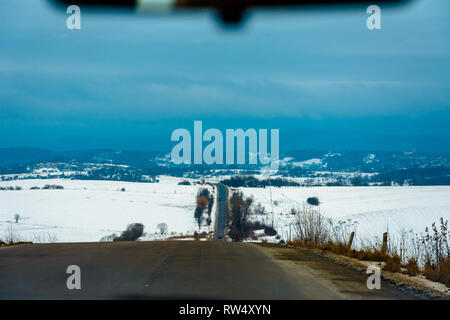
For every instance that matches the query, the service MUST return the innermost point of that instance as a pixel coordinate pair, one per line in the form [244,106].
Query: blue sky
[128,81]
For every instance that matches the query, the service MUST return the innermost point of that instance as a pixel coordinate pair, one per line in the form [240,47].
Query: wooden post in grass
[350,241]
[384,247]
[290,239]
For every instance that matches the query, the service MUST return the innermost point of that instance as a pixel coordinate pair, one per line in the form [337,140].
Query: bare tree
[162,228]
[259,209]
[11,236]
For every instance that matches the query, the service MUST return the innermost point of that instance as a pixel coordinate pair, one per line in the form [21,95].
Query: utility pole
[271,204]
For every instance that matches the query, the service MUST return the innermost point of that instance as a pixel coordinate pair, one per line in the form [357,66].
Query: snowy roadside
[418,285]
[370,210]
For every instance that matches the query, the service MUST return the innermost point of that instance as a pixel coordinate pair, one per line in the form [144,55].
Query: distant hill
[24,155]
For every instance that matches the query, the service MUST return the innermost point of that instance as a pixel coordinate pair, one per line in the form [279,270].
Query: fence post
[384,247]
[350,241]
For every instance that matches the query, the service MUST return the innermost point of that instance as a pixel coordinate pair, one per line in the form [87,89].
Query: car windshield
[209,149]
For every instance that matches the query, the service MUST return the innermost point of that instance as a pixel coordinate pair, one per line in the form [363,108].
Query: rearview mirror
[229,12]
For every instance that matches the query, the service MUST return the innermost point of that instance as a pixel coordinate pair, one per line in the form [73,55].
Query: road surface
[219,230]
[179,270]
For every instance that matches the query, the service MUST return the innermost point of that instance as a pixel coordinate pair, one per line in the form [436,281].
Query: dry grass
[187,236]
[4,244]
[430,250]
[371,255]
[393,264]
[343,249]
[439,272]
[412,269]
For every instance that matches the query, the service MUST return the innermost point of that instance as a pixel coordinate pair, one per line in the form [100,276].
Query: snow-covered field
[89,210]
[374,209]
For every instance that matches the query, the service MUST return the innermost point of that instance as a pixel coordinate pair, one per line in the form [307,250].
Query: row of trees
[241,209]
[204,203]
[253,182]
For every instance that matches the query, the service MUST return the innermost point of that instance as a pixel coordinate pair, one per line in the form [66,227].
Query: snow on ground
[89,210]
[375,209]
[307,163]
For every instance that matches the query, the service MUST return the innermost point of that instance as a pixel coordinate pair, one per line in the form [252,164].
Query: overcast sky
[128,76]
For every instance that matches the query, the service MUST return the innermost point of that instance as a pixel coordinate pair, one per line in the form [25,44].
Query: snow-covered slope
[375,209]
[89,210]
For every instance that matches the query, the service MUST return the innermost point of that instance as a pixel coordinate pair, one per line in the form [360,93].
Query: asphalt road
[219,229]
[179,270]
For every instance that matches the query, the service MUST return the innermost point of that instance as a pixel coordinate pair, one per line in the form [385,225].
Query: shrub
[240,211]
[257,225]
[202,202]
[393,264]
[314,201]
[269,231]
[259,210]
[162,228]
[198,215]
[133,232]
[436,244]
[411,267]
[11,236]
[311,227]
[184,183]
[52,187]
[35,188]
[371,255]
[440,272]
[236,234]
[338,248]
